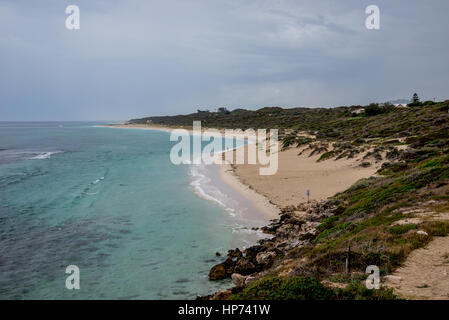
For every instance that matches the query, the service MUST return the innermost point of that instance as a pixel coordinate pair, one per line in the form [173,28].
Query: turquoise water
[110,202]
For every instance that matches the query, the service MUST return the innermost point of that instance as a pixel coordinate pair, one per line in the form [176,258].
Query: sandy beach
[268,209]
[296,175]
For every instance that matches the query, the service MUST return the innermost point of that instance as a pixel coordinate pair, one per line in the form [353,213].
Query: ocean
[109,201]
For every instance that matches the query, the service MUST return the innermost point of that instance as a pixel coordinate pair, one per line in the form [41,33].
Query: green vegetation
[280,288]
[415,101]
[357,291]
[367,210]
[326,155]
[307,288]
[370,208]
[400,229]
[381,126]
[375,109]
[413,145]
[365,164]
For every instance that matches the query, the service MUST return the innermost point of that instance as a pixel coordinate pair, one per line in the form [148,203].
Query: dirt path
[425,274]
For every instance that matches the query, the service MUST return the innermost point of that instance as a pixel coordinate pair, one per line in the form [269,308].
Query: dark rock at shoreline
[244,267]
[218,272]
[295,228]
[236,253]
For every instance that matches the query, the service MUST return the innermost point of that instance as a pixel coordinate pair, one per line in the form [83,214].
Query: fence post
[348,261]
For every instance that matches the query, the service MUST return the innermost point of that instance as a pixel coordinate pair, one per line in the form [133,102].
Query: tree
[223,110]
[375,109]
[415,101]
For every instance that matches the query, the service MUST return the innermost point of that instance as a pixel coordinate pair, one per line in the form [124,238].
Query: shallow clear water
[109,201]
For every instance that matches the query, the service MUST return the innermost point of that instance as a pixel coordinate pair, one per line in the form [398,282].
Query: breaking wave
[44,155]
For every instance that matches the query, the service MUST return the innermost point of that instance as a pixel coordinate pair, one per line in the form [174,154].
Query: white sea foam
[200,182]
[98,180]
[44,155]
[204,184]
[204,188]
[240,223]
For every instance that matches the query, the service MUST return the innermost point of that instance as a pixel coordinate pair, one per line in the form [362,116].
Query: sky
[135,58]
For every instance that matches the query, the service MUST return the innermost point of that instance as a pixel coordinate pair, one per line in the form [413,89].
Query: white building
[358,110]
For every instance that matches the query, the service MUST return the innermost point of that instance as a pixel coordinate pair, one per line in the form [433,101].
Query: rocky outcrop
[238,280]
[296,227]
[217,272]
[265,258]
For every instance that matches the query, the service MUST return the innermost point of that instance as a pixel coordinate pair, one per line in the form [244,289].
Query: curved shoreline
[261,203]
[288,186]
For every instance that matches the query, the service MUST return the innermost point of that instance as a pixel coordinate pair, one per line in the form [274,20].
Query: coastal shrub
[357,290]
[431,163]
[300,141]
[358,141]
[327,223]
[423,139]
[323,235]
[444,107]
[331,258]
[340,278]
[412,241]
[279,288]
[292,139]
[334,230]
[437,228]
[393,154]
[365,164]
[427,176]
[400,229]
[326,156]
[374,109]
[287,142]
[372,199]
[361,184]
[390,168]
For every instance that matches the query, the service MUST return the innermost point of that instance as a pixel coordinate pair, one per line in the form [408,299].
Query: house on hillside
[358,110]
[400,105]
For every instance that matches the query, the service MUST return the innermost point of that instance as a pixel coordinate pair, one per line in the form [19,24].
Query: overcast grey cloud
[137,58]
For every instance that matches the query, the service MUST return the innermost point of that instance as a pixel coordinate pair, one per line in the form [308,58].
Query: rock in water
[217,272]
